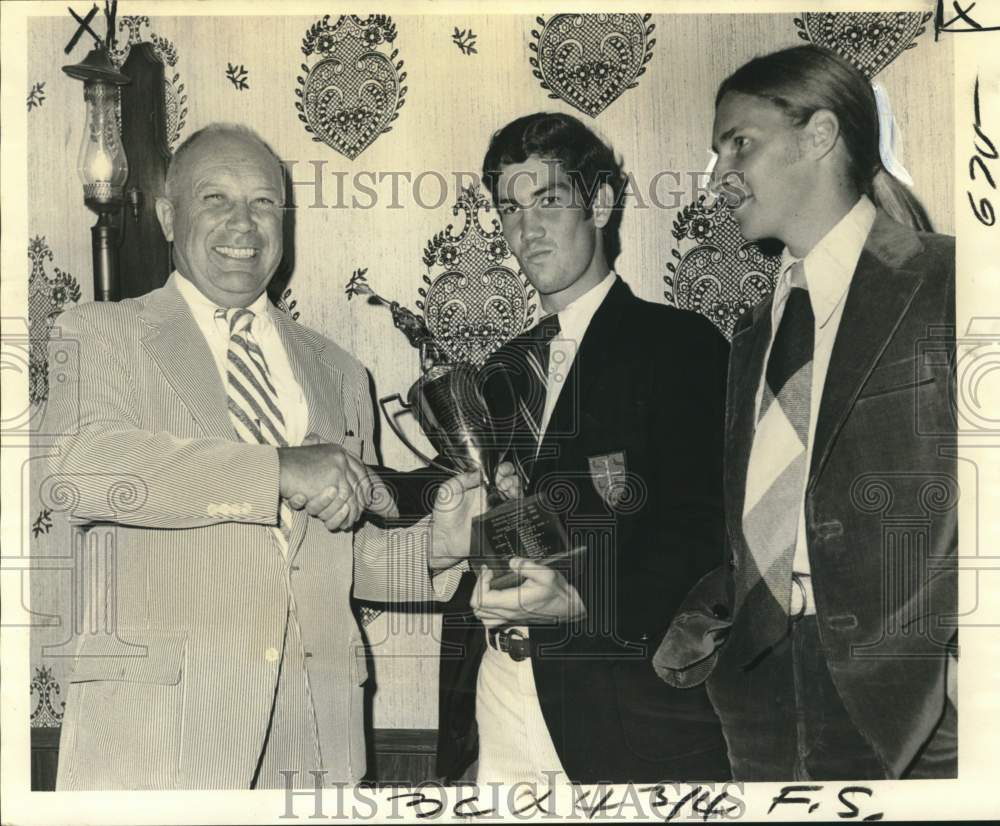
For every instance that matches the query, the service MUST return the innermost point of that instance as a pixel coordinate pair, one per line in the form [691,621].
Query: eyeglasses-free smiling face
[760,170]
[544,221]
[225,218]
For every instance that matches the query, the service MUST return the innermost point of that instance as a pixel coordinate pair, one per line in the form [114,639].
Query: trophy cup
[446,400]
[448,403]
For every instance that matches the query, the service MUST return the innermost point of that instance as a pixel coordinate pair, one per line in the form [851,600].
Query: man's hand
[328,481]
[508,482]
[544,596]
[457,501]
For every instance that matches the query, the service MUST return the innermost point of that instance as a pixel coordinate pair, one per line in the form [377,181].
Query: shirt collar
[575,317]
[203,309]
[829,266]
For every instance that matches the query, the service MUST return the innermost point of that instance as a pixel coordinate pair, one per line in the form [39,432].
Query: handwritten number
[992,155]
[987,209]
[984,211]
[973,161]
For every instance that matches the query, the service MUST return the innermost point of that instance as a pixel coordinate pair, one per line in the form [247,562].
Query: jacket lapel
[321,380]
[178,347]
[594,354]
[881,291]
[319,376]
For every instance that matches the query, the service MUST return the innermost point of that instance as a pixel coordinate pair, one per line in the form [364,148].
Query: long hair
[804,79]
[583,156]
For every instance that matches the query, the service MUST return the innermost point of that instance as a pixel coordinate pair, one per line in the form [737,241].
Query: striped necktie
[777,474]
[252,398]
[535,388]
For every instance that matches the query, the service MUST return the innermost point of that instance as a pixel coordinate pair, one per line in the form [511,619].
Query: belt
[510,641]
[803,602]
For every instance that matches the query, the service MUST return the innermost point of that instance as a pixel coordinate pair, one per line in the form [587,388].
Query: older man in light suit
[235,655]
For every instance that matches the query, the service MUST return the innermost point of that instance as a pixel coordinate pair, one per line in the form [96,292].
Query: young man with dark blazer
[617,409]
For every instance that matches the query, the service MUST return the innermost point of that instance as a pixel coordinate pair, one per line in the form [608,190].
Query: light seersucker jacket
[178,693]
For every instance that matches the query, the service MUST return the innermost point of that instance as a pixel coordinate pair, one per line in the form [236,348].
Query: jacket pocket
[146,657]
[897,376]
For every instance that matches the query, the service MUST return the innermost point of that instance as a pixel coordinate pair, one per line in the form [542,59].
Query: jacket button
[720,611]
[271,655]
[733,565]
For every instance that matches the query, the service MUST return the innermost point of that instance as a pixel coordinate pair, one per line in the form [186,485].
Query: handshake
[331,484]
[336,487]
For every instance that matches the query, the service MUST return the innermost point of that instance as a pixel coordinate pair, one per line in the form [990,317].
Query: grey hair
[218,128]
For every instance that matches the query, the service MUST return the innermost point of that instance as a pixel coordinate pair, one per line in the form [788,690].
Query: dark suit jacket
[880,499]
[648,382]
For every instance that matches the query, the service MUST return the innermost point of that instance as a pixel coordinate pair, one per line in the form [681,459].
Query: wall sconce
[102,165]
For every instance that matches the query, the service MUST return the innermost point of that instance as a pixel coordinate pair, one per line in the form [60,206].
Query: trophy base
[519,527]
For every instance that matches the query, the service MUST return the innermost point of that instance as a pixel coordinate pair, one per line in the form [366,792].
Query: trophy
[448,403]
[446,400]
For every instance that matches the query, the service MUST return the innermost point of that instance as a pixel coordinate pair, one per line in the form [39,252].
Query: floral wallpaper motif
[474,296]
[47,297]
[353,89]
[42,523]
[36,97]
[366,613]
[465,40]
[238,76]
[716,271]
[870,40]
[589,60]
[47,709]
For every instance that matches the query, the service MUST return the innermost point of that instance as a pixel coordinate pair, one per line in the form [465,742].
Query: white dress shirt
[829,268]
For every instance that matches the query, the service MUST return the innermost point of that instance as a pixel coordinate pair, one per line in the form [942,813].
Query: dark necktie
[535,387]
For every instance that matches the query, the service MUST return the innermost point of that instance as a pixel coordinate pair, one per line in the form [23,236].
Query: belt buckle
[797,581]
[503,643]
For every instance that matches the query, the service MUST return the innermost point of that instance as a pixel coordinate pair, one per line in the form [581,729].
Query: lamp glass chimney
[102,164]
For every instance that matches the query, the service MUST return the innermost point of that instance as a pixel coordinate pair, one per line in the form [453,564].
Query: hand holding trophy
[448,403]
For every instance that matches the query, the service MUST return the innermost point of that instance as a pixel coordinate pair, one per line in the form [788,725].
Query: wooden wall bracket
[144,255]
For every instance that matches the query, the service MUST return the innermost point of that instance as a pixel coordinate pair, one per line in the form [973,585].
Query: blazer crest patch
[609,475]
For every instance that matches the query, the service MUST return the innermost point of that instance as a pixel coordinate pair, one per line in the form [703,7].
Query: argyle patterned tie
[252,398]
[532,401]
[777,470]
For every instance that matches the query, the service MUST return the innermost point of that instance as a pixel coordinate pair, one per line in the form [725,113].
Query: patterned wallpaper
[384,121]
